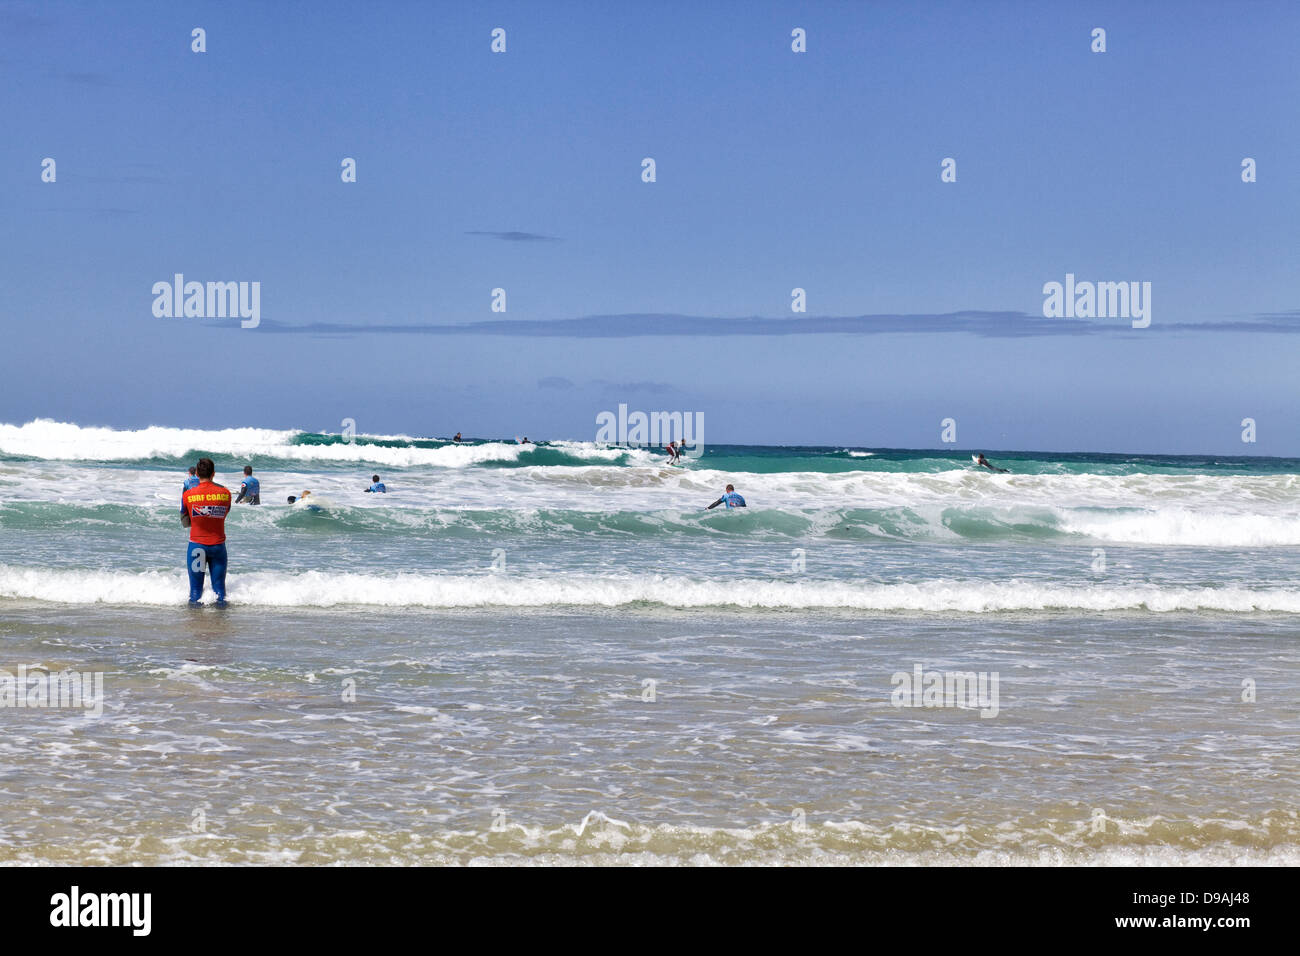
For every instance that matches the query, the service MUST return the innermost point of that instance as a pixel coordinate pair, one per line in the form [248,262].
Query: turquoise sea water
[557,654]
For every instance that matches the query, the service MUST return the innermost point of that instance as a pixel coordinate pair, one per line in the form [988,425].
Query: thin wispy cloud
[623,388]
[559,383]
[127,180]
[515,236]
[633,325]
[985,324]
[106,212]
[1264,322]
[1284,317]
[148,174]
[85,79]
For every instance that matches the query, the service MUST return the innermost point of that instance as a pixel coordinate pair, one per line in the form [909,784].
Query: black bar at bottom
[648,906]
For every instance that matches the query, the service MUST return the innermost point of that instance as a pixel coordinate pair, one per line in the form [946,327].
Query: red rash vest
[207,504]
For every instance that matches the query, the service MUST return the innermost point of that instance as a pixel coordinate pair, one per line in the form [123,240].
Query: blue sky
[775,170]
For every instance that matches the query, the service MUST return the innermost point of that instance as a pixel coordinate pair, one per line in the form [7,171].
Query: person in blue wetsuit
[730,499]
[377,487]
[191,481]
[250,491]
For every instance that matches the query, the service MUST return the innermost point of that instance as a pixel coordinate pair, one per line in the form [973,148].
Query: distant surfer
[250,490]
[203,510]
[673,453]
[730,499]
[525,441]
[190,482]
[981,460]
[376,486]
[457,438]
[292,499]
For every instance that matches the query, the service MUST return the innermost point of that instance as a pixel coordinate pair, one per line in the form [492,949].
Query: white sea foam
[1187,509]
[330,589]
[1181,526]
[62,441]
[66,442]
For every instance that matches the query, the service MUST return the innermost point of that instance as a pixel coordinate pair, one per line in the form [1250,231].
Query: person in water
[985,462]
[525,441]
[457,438]
[250,490]
[673,453]
[377,486]
[190,482]
[292,499]
[203,510]
[730,499]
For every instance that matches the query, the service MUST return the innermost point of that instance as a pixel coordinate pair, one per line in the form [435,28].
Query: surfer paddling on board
[203,510]
[981,460]
[313,503]
[730,499]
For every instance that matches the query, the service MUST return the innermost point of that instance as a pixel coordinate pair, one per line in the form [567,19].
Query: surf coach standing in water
[203,510]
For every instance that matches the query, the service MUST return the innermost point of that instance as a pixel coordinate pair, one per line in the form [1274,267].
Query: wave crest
[431,590]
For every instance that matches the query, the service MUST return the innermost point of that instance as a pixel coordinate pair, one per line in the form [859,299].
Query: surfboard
[975,458]
[316,503]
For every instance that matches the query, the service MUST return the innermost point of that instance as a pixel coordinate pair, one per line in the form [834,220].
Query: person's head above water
[292,499]
[191,469]
[375,479]
[205,469]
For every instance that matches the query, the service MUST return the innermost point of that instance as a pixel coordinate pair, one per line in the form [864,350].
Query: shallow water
[480,736]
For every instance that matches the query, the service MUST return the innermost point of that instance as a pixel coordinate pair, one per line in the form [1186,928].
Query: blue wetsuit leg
[195,564]
[217,568]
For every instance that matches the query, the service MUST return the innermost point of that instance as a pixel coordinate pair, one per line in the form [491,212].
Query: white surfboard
[314,503]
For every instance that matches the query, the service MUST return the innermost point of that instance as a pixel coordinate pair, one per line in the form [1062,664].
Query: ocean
[553,653]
